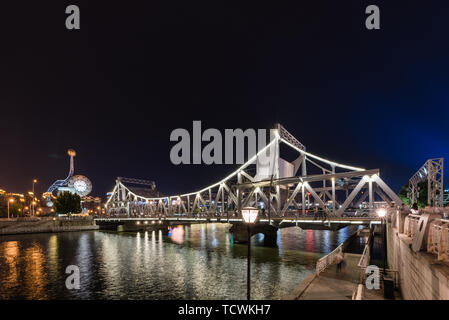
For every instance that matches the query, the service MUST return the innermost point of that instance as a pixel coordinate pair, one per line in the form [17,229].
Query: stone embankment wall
[421,276]
[46,225]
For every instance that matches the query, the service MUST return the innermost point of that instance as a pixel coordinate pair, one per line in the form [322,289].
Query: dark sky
[136,70]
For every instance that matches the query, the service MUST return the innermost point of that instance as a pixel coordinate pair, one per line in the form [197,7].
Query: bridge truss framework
[432,171]
[333,187]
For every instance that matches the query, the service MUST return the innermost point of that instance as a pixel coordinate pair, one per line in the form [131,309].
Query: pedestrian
[343,262]
[339,259]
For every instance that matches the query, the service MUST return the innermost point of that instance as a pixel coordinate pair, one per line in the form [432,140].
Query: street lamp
[382,212]
[249,215]
[387,280]
[10,200]
[34,181]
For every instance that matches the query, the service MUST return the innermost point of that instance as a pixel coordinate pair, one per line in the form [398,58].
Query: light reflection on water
[191,262]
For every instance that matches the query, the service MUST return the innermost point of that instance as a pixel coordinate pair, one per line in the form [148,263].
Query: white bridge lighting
[281,189]
[381,212]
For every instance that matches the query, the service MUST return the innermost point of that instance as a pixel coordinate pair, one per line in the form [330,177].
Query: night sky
[136,70]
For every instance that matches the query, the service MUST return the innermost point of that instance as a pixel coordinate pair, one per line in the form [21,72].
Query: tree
[422,194]
[67,203]
[16,209]
[403,195]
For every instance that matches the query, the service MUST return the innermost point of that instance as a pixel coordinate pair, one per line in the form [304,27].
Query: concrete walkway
[330,285]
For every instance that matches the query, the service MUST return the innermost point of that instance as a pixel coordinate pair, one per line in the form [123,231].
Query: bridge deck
[343,220]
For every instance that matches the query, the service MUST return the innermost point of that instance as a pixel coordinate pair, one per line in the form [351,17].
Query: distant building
[91,205]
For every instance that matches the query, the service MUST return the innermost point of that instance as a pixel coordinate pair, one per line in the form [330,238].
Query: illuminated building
[78,184]
[91,204]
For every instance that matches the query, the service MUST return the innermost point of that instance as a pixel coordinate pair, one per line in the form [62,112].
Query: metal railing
[358,292]
[74,218]
[365,260]
[366,256]
[328,259]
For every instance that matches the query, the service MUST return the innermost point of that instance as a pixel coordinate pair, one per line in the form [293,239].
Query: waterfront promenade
[330,285]
[333,285]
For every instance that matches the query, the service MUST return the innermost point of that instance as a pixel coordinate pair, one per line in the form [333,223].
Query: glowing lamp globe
[381,212]
[249,214]
[71,152]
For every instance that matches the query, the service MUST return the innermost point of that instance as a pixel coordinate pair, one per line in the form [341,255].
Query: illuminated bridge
[309,191]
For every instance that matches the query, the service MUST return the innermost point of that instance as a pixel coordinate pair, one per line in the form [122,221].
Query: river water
[191,262]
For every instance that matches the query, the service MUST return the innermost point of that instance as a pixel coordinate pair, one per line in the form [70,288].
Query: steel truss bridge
[432,173]
[286,191]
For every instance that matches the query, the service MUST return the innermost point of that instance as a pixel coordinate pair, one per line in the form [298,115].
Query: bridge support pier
[240,233]
[131,226]
[141,226]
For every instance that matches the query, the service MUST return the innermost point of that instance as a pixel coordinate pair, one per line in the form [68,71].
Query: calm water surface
[191,262]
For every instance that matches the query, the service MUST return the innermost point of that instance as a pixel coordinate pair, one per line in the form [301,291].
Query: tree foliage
[67,203]
[16,209]
[422,194]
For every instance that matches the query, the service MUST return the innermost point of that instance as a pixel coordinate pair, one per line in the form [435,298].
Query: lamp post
[249,215]
[32,208]
[382,212]
[10,200]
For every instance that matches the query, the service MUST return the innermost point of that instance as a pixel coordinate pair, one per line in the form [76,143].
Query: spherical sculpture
[80,185]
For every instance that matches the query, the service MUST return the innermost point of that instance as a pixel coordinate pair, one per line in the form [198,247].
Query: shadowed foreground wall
[422,277]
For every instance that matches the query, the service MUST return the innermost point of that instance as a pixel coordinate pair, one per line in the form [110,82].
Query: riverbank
[46,225]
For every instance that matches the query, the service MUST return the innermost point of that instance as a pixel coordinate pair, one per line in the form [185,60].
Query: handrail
[364,263]
[328,259]
[365,258]
[358,292]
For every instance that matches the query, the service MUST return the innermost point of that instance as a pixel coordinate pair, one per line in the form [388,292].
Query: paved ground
[330,285]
